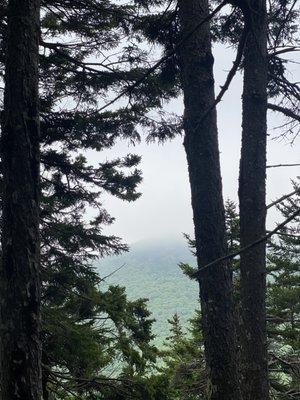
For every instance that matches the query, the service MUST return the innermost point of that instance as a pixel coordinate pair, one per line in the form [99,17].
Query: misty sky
[164,209]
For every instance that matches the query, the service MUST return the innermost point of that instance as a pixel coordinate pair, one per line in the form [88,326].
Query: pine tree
[68,61]
[184,355]
[282,298]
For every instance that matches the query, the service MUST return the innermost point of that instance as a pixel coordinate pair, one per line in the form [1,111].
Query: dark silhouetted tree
[252,196]
[20,268]
[201,146]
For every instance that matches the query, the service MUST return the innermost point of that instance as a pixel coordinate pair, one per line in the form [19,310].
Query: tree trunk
[252,194]
[201,145]
[20,347]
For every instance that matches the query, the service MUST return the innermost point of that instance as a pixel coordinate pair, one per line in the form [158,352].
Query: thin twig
[113,272]
[283,165]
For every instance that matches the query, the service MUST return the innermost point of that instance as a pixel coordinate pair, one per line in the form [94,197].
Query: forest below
[214,315]
[151,270]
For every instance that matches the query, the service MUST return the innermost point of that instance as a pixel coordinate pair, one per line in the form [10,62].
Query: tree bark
[201,145]
[20,346]
[252,195]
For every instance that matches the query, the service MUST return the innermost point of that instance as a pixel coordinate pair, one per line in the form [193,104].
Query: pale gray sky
[164,208]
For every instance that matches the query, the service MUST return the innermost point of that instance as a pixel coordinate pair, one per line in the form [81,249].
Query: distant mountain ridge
[151,271]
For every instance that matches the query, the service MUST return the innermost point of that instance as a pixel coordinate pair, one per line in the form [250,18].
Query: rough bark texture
[20,351]
[201,145]
[253,206]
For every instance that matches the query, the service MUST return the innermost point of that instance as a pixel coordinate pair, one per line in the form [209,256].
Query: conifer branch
[169,54]
[286,196]
[251,245]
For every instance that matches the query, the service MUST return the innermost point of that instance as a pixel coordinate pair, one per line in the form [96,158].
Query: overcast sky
[164,209]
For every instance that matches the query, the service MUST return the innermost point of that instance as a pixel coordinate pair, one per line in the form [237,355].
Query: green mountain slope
[150,270]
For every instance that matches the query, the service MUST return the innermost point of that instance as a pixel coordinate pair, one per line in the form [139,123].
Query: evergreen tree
[95,341]
[96,88]
[283,282]
[20,318]
[202,150]
[70,74]
[246,28]
[183,359]
[283,306]
[252,202]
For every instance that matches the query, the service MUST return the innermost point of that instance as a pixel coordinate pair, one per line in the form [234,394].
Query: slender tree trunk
[201,145]
[20,346]
[252,194]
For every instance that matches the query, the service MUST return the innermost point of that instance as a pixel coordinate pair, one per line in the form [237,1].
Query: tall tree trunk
[20,350]
[252,194]
[201,145]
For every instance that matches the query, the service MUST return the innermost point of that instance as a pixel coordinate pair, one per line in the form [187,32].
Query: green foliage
[96,342]
[183,360]
[150,270]
[283,304]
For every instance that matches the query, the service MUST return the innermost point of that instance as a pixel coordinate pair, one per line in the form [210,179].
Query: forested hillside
[150,269]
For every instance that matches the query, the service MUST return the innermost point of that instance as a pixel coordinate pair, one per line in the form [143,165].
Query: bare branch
[230,76]
[283,165]
[283,51]
[286,111]
[113,272]
[287,234]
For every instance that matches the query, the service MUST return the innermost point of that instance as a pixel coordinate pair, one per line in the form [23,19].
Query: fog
[164,208]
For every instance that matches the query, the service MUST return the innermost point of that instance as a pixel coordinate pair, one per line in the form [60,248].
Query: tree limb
[163,59]
[286,196]
[230,76]
[286,111]
[283,165]
[251,245]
